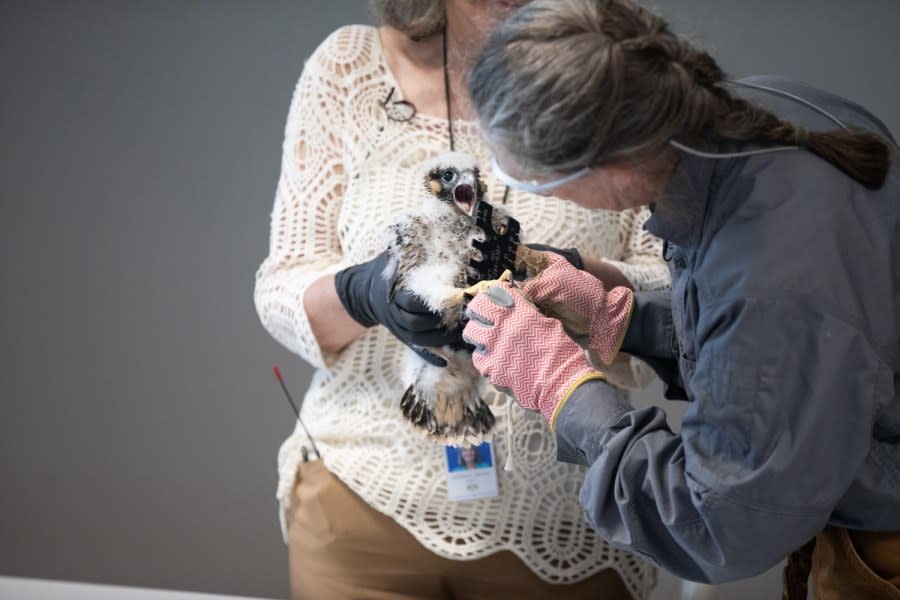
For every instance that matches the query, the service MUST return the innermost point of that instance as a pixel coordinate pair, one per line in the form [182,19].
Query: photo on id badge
[470,472]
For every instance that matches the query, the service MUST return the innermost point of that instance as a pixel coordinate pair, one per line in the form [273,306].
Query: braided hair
[575,83]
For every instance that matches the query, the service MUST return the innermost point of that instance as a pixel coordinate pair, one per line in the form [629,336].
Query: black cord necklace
[447,99]
[447,91]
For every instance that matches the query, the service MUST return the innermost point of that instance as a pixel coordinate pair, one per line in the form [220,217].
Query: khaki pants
[341,548]
[856,564]
[842,563]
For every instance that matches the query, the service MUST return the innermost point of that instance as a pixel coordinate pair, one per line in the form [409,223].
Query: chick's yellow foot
[460,297]
[479,287]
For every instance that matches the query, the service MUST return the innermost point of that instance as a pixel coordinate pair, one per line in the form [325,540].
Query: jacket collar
[678,214]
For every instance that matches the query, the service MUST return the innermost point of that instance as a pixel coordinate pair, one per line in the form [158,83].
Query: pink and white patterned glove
[523,351]
[609,312]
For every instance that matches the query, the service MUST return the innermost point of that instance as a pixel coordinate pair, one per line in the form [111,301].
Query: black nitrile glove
[570,254]
[365,294]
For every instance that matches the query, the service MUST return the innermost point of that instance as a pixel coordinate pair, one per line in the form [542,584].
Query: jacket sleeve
[651,337]
[782,410]
[304,244]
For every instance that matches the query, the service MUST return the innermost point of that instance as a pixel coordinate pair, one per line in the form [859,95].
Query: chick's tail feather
[451,421]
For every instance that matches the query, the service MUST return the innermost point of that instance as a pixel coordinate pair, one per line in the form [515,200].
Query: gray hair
[416,18]
[567,84]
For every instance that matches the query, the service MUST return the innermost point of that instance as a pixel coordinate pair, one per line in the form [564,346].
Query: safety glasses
[535,187]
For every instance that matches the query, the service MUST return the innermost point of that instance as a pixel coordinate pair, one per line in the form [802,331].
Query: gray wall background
[140,148]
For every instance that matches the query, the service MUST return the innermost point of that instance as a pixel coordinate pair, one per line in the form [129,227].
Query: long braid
[862,155]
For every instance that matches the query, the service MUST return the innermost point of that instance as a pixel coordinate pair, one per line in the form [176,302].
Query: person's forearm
[333,327]
[646,489]
[609,274]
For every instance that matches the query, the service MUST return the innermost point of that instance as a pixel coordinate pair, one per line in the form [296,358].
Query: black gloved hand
[570,254]
[365,292]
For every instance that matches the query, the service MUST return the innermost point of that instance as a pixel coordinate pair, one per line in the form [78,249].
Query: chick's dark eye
[448,176]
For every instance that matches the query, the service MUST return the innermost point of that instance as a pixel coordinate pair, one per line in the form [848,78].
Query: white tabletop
[20,588]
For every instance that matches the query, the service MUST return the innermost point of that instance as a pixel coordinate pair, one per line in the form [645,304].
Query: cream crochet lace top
[347,171]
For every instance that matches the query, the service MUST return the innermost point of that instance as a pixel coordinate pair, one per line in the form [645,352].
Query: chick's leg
[455,304]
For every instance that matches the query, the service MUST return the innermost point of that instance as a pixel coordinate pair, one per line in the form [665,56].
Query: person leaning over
[778,204]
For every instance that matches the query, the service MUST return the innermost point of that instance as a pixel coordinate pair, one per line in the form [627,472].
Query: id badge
[471,472]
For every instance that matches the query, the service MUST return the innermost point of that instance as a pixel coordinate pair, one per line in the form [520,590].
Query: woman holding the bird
[373,518]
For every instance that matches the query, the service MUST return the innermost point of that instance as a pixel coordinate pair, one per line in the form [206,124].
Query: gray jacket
[782,331]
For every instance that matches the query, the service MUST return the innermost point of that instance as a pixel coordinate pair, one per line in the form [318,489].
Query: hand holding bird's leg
[576,324]
[456,303]
[602,315]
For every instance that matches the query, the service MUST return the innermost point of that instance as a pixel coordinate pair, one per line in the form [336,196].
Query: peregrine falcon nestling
[431,250]
[437,251]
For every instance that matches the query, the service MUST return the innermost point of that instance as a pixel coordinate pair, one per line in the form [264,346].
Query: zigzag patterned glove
[609,312]
[523,351]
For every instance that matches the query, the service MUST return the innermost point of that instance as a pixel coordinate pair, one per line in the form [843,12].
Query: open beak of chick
[464,197]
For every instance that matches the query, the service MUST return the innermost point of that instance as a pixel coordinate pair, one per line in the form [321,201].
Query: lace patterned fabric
[347,171]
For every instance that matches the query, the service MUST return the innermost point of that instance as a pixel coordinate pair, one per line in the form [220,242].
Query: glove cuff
[347,284]
[589,376]
[609,328]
